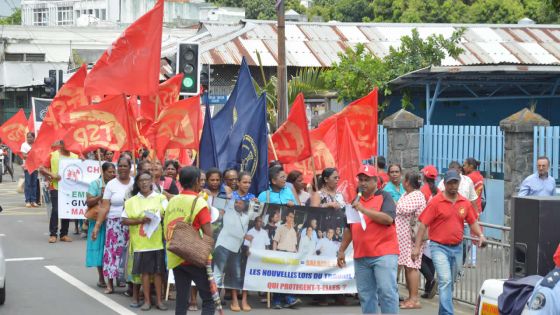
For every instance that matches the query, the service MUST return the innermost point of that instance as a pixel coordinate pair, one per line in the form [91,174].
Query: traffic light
[50,84]
[188,64]
[205,76]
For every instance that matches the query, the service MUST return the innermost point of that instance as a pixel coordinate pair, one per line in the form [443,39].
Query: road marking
[1,235]
[99,297]
[25,259]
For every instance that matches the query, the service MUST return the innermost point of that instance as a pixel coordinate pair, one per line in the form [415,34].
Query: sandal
[411,304]
[146,307]
[108,291]
[162,307]
[193,307]
[135,304]
[101,284]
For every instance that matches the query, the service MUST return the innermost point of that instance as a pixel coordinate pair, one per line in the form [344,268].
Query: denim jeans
[277,298]
[30,187]
[227,265]
[448,261]
[376,280]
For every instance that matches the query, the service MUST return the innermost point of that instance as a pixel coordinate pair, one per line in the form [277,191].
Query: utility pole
[282,69]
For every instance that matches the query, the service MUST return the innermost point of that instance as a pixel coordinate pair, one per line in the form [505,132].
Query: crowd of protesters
[412,222]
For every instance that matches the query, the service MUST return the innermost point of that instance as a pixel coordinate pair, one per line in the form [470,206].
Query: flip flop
[108,291]
[409,304]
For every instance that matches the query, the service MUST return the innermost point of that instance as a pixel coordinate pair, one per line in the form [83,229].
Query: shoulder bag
[190,244]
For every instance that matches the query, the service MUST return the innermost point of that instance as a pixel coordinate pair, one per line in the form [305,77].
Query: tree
[496,11]
[13,19]
[352,10]
[358,71]
[259,9]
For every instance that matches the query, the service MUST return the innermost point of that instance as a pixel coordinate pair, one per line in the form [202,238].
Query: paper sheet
[354,216]
[151,227]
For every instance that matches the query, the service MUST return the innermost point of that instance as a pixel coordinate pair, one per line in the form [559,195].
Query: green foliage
[14,19]
[358,71]
[496,11]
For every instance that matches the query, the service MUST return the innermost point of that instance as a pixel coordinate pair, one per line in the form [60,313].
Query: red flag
[69,97]
[291,140]
[348,162]
[178,127]
[103,125]
[168,94]
[132,64]
[362,117]
[13,130]
[324,148]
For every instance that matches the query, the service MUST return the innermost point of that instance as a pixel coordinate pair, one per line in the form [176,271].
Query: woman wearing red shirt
[470,169]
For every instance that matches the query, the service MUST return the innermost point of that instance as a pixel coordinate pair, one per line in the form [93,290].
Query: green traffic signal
[188,82]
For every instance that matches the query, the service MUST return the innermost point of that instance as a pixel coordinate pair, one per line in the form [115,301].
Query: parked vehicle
[2,276]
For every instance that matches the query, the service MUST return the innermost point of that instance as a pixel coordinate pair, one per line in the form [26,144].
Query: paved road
[59,283]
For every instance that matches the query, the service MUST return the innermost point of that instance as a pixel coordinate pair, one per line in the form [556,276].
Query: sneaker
[28,205]
[277,306]
[52,239]
[65,238]
[293,304]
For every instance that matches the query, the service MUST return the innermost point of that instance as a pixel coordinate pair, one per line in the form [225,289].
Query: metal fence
[441,144]
[492,262]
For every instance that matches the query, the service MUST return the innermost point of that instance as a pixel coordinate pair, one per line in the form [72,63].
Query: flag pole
[100,166]
[272,146]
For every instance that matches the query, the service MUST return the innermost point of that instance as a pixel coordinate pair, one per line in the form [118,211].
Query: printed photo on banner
[268,247]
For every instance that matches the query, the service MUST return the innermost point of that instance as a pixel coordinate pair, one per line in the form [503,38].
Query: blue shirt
[94,188]
[545,298]
[395,193]
[247,197]
[282,197]
[533,185]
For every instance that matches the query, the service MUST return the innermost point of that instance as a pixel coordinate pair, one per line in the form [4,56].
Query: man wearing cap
[376,247]
[444,217]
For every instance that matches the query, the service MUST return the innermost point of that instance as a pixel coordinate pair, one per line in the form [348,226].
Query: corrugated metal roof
[318,44]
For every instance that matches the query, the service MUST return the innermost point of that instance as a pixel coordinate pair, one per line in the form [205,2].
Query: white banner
[76,175]
[283,272]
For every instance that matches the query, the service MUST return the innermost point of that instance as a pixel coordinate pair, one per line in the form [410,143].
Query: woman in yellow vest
[187,205]
[149,255]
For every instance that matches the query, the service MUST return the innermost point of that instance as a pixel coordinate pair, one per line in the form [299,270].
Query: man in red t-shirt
[376,247]
[444,217]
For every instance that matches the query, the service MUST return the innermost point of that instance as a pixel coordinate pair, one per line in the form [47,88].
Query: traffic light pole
[282,93]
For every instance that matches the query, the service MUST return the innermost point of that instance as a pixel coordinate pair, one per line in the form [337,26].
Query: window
[14,57]
[34,57]
[97,13]
[103,16]
[41,16]
[65,16]
[78,13]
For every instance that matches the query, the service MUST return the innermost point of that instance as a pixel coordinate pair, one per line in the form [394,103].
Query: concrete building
[87,12]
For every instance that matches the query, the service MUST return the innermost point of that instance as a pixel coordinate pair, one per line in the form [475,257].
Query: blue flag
[207,151]
[239,105]
[248,145]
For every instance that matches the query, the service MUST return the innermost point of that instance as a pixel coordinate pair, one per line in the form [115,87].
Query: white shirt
[25,148]
[466,188]
[115,192]
[327,247]
[260,239]
[233,233]
[306,245]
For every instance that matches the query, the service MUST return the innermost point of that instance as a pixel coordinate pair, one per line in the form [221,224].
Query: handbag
[92,212]
[414,230]
[483,199]
[190,244]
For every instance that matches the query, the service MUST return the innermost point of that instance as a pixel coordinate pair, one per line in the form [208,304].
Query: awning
[17,74]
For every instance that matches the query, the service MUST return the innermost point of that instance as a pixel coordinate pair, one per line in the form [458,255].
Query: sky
[7,5]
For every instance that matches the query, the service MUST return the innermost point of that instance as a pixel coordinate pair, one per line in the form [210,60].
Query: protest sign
[76,175]
[39,110]
[280,249]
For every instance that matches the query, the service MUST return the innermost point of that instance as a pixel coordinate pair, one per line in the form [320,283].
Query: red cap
[430,171]
[368,170]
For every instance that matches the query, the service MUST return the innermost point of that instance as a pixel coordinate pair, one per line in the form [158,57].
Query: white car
[2,276]
[487,302]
